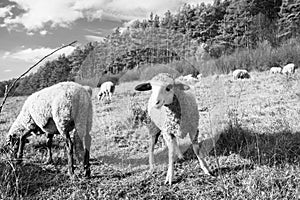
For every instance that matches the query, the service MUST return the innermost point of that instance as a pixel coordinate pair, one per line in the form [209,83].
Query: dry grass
[256,157]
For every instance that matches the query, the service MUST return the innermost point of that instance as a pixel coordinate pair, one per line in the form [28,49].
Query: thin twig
[7,91]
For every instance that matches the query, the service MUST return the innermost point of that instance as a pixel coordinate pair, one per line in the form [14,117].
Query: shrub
[90,82]
[130,75]
[138,115]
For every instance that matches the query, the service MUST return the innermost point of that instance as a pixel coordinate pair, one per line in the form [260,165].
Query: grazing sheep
[89,89]
[189,79]
[106,90]
[275,70]
[58,109]
[174,113]
[240,74]
[199,76]
[288,69]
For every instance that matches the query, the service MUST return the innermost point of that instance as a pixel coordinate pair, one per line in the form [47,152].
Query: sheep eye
[168,89]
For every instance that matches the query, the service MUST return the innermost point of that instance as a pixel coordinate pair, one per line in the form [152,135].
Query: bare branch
[8,89]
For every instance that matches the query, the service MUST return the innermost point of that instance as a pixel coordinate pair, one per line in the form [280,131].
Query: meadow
[256,156]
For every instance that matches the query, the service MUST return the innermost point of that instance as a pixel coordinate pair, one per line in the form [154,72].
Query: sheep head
[163,88]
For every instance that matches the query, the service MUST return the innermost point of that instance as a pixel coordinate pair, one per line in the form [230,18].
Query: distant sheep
[106,90]
[240,74]
[289,69]
[174,114]
[56,110]
[275,70]
[189,79]
[199,76]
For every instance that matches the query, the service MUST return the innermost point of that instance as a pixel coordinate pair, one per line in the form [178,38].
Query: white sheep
[106,90]
[174,113]
[289,69]
[199,76]
[275,70]
[240,74]
[58,109]
[89,89]
[189,79]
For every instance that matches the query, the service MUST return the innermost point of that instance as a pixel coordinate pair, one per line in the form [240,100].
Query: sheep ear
[182,86]
[143,87]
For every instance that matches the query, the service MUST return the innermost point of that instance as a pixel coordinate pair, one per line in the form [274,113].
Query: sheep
[89,89]
[275,70]
[106,89]
[58,109]
[189,79]
[199,76]
[288,69]
[173,113]
[240,74]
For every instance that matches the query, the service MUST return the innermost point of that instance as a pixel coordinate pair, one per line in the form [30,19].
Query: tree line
[212,30]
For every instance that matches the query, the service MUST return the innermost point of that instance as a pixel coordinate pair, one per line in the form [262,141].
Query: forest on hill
[207,38]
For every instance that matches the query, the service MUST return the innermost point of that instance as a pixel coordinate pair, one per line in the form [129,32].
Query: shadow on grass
[262,149]
[26,179]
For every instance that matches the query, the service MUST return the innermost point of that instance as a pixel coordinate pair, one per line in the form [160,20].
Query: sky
[31,29]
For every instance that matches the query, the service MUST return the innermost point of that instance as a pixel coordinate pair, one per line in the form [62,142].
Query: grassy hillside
[256,157]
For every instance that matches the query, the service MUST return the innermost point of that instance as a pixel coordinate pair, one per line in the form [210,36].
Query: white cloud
[34,55]
[5,11]
[94,38]
[39,13]
[7,70]
[63,13]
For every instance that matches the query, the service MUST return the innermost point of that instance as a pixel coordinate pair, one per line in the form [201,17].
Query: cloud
[94,38]
[7,70]
[5,11]
[37,15]
[34,55]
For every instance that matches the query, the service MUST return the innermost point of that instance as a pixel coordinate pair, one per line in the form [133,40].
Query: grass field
[256,156]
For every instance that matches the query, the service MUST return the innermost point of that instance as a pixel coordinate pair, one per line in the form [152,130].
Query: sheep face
[161,95]
[163,88]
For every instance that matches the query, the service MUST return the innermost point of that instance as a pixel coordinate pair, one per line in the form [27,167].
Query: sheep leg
[70,148]
[154,133]
[171,143]
[86,161]
[200,157]
[22,142]
[49,152]
[153,141]
[178,152]
[110,95]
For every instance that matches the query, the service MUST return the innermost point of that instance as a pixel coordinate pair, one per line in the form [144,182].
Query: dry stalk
[8,89]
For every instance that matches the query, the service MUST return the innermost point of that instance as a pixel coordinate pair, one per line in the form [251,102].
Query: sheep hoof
[168,181]
[168,178]
[87,174]
[151,170]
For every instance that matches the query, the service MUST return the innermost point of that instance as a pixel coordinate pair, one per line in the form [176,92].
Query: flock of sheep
[67,106]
